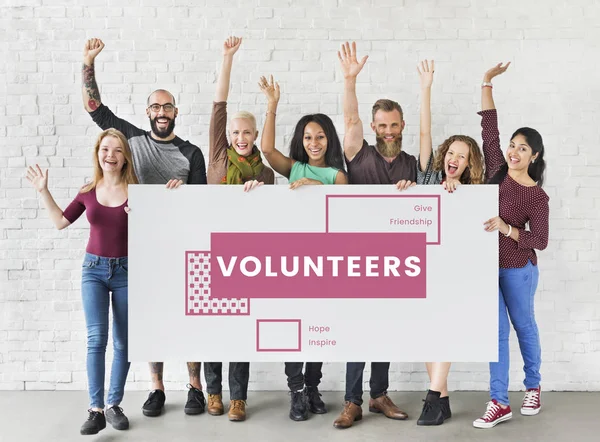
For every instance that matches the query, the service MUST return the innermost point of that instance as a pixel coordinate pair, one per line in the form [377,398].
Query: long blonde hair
[127,173]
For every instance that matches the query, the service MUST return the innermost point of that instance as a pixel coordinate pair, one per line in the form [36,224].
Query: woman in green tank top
[316,155]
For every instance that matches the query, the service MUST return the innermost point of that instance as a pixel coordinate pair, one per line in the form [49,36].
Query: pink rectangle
[296,349]
[328,265]
[436,197]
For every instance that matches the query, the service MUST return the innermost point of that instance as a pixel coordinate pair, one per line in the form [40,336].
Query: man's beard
[387,149]
[162,133]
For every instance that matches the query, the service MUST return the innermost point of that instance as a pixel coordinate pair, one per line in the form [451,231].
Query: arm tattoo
[91,87]
[156,370]
[194,369]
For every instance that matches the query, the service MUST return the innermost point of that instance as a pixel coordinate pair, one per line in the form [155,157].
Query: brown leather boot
[349,415]
[215,405]
[383,404]
[237,410]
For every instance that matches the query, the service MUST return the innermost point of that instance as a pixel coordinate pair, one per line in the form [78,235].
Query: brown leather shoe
[383,404]
[237,410]
[350,414]
[215,405]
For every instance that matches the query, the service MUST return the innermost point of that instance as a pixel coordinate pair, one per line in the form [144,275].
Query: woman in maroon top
[104,274]
[522,203]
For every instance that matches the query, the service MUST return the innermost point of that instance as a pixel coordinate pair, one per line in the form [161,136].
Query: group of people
[125,154]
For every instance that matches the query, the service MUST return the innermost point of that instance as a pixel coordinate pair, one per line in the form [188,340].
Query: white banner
[321,273]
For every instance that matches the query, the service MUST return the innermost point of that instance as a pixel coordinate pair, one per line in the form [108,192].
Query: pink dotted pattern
[197,290]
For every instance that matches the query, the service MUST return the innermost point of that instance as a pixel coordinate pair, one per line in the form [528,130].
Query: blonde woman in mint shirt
[316,157]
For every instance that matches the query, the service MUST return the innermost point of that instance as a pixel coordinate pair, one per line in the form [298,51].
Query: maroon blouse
[519,204]
[108,225]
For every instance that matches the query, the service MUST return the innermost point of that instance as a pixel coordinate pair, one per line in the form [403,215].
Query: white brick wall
[552,85]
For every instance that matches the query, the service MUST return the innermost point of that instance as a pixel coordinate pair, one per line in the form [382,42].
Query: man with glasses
[159,157]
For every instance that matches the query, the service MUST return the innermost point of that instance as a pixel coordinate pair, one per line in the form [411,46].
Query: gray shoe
[114,416]
[94,423]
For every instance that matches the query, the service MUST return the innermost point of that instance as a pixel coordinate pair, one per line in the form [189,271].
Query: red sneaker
[493,415]
[531,402]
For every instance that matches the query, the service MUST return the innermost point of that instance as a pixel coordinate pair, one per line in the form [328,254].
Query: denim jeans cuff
[354,400]
[375,395]
[212,390]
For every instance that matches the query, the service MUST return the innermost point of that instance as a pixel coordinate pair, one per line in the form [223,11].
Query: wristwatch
[487,84]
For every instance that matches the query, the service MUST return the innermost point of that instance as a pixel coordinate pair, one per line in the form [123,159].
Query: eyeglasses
[168,107]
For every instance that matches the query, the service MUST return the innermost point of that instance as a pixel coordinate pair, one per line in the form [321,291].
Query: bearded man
[384,163]
[159,157]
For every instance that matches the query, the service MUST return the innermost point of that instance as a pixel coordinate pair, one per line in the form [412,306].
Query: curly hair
[473,174]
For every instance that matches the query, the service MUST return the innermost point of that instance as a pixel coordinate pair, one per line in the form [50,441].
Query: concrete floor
[57,416]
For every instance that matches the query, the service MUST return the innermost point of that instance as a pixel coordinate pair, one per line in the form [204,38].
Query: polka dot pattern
[199,301]
[523,207]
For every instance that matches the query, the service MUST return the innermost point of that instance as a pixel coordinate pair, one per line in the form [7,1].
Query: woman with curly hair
[458,160]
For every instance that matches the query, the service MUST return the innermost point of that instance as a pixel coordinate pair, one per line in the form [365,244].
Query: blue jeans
[104,280]
[516,292]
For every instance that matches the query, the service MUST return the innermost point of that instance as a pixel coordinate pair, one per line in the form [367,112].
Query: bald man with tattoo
[159,157]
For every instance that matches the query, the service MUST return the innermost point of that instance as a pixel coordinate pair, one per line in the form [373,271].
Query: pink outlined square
[299,347]
[439,209]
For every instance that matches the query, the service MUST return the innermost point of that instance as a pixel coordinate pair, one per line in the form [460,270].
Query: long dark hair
[334,156]
[536,168]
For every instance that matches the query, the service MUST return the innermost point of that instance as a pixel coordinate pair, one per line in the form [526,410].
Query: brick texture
[175,44]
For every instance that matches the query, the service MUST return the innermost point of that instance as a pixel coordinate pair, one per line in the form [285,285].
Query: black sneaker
[299,406]
[154,404]
[445,405]
[196,403]
[115,417]
[94,423]
[315,404]
[432,412]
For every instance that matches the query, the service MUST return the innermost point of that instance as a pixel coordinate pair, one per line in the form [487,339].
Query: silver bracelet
[509,231]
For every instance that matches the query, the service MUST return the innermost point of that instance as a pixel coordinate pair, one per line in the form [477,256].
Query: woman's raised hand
[231,45]
[270,89]
[495,71]
[38,178]
[426,70]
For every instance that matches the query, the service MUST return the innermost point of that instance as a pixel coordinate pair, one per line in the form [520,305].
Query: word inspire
[328,266]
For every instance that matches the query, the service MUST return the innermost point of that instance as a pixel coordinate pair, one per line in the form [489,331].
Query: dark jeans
[311,377]
[378,383]
[239,373]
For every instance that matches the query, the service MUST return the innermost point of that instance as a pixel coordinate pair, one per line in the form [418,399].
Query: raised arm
[89,90]
[217,132]
[39,181]
[494,157]
[487,98]
[351,67]
[230,47]
[277,160]
[425,70]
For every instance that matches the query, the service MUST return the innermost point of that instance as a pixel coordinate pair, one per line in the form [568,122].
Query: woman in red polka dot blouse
[523,203]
